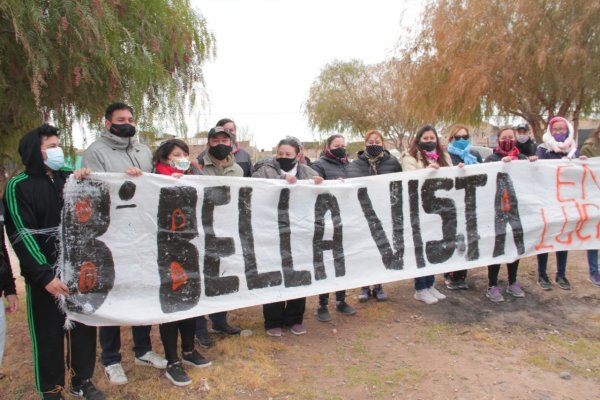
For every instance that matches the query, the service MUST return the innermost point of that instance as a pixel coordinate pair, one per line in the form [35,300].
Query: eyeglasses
[461,137]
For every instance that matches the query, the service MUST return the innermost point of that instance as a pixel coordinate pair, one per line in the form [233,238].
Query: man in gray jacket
[117,150]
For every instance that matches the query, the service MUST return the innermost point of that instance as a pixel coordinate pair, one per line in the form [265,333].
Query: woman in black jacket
[332,165]
[373,160]
[506,151]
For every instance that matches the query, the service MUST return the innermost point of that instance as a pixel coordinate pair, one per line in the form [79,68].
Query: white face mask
[55,158]
[522,138]
[181,164]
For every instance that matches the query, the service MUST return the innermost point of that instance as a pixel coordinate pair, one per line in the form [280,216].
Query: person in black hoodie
[525,144]
[332,165]
[373,160]
[33,202]
[7,287]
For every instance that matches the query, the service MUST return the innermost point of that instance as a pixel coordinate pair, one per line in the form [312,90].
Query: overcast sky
[270,51]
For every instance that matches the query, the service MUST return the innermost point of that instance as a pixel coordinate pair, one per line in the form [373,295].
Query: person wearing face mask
[373,160]
[242,158]
[559,142]
[332,165]
[525,144]
[117,150]
[285,165]
[506,151]
[172,159]
[459,148]
[218,161]
[33,203]
[425,151]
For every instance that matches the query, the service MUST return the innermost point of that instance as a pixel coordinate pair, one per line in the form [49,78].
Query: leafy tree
[64,61]
[352,97]
[528,58]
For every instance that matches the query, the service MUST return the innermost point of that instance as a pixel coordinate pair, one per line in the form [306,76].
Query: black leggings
[168,335]
[494,270]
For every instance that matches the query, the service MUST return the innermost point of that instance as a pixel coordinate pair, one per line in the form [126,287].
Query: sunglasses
[461,137]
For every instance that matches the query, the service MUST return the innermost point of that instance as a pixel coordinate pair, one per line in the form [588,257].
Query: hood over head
[30,149]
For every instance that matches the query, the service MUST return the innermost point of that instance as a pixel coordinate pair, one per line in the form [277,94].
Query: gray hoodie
[112,153]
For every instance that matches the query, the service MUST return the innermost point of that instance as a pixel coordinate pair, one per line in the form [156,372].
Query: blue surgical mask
[461,143]
[56,158]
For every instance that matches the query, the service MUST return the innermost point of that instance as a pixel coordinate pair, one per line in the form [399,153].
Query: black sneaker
[195,359]
[226,328]
[344,308]
[177,375]
[87,390]
[205,341]
[563,283]
[544,282]
[323,314]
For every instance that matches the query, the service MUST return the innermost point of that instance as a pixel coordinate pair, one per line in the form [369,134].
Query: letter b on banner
[177,257]
[86,216]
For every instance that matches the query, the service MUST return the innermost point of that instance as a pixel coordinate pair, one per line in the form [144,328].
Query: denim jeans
[424,282]
[592,256]
[561,263]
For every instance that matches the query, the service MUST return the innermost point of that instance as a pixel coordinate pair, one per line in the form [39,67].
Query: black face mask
[340,152]
[428,146]
[286,164]
[123,130]
[220,152]
[374,150]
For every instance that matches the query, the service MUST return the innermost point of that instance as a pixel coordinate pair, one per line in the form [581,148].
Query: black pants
[284,313]
[168,335]
[494,270]
[110,340]
[218,320]
[46,328]
[340,295]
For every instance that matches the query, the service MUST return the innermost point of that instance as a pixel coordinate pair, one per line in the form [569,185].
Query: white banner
[155,249]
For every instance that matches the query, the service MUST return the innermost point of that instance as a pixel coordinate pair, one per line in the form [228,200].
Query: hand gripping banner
[154,249]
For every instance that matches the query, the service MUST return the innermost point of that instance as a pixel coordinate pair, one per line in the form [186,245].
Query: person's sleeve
[409,163]
[92,161]
[7,279]
[20,223]
[318,169]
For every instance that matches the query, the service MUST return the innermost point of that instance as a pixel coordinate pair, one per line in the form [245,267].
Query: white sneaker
[115,374]
[151,359]
[425,296]
[436,293]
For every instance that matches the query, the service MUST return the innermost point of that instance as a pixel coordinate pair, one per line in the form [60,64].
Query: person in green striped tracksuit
[33,203]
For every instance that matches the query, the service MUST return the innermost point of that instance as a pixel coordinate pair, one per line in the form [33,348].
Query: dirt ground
[464,347]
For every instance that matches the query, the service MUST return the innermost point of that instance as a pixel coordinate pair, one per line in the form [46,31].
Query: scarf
[465,154]
[373,163]
[568,147]
[514,153]
[430,156]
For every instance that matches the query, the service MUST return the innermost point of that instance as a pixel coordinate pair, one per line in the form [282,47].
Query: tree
[349,96]
[64,61]
[528,58]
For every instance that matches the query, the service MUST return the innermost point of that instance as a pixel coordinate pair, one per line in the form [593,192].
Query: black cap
[525,127]
[217,130]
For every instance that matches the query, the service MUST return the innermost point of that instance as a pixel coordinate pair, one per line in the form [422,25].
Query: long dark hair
[161,155]
[415,149]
